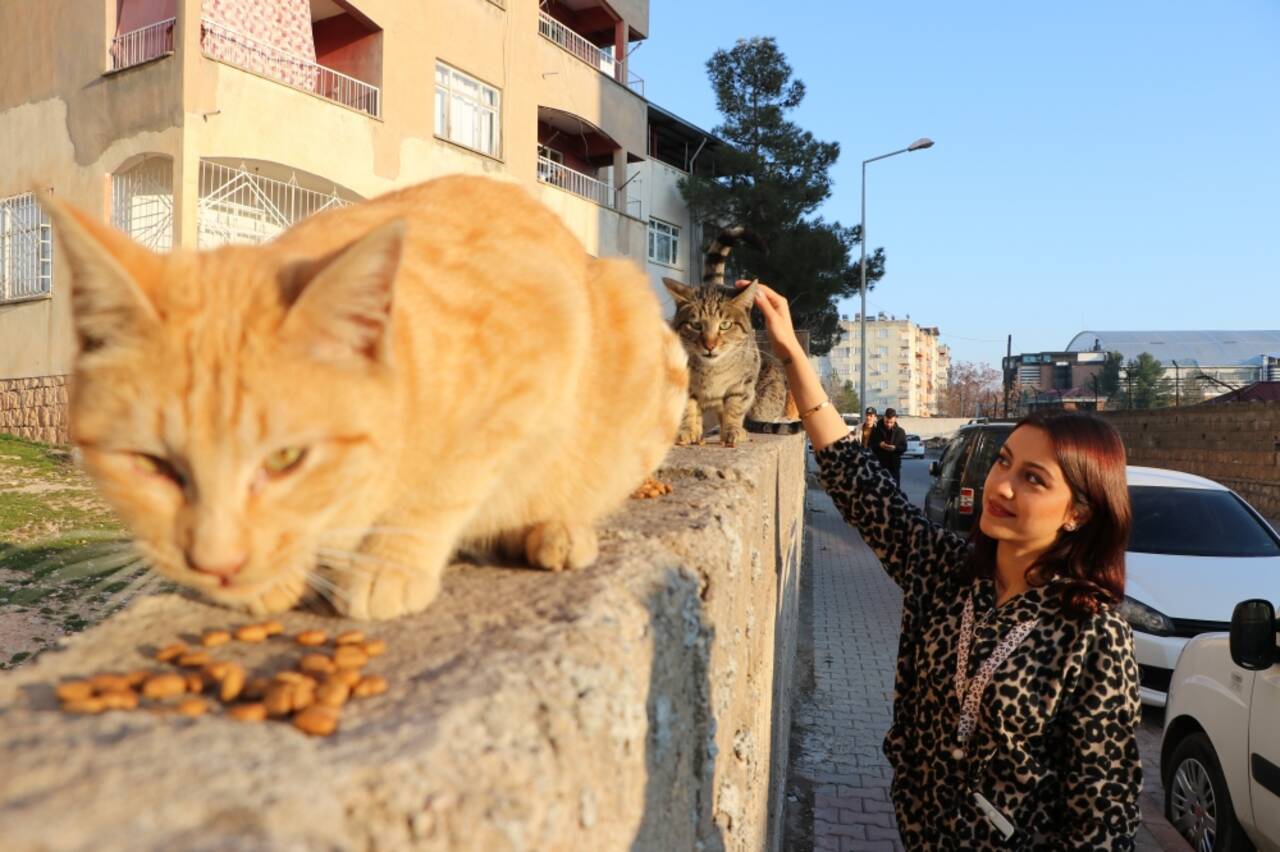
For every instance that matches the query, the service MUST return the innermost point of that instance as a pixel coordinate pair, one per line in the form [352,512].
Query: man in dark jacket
[888,443]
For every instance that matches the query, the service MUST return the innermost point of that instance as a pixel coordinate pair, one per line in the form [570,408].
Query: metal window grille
[142,45]
[224,44]
[240,206]
[142,203]
[26,249]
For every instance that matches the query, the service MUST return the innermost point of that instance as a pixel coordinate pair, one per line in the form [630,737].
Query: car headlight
[1144,618]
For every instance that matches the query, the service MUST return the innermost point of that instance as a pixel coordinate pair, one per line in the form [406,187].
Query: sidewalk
[837,767]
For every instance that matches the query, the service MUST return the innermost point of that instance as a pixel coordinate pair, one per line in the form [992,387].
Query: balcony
[335,35]
[142,45]
[600,58]
[592,189]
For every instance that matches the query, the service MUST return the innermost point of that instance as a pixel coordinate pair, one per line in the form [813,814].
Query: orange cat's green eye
[284,460]
[726,325]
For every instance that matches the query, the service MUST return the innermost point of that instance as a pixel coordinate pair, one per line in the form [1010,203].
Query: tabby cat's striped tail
[718,253]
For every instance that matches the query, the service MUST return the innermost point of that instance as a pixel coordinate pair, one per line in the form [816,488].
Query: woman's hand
[777,320]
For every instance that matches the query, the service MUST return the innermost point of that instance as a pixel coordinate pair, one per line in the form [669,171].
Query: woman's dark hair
[1091,558]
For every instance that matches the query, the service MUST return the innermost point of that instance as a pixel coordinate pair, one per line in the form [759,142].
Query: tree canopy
[777,174]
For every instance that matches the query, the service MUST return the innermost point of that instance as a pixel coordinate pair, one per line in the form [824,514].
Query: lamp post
[917,145]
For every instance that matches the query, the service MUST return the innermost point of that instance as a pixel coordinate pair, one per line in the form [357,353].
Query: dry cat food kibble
[214,638]
[311,638]
[311,695]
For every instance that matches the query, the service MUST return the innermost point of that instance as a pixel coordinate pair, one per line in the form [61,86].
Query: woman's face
[1026,500]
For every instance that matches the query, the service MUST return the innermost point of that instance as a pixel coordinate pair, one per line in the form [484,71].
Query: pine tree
[777,176]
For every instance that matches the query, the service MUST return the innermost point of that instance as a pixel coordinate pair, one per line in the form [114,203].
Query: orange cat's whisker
[360,561]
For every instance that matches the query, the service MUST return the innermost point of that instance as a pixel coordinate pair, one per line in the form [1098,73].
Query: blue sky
[1104,165]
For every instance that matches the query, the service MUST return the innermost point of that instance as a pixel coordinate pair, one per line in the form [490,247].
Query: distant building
[907,366]
[1197,364]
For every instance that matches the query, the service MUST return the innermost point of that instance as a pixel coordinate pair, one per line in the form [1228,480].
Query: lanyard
[969,691]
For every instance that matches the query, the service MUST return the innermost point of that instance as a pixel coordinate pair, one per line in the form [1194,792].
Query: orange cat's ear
[108,305]
[344,309]
[682,293]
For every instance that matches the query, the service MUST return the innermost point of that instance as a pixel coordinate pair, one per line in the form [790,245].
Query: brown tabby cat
[725,364]
[349,404]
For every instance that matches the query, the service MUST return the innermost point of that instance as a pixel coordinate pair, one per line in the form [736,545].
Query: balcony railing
[599,58]
[142,45]
[235,48]
[588,187]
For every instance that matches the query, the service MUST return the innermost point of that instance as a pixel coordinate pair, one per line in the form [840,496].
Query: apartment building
[194,123]
[907,365]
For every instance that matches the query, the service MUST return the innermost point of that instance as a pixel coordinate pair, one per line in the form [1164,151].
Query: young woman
[1016,698]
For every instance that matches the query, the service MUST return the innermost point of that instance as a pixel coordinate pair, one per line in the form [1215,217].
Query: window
[882,333]
[664,242]
[26,249]
[1196,522]
[467,111]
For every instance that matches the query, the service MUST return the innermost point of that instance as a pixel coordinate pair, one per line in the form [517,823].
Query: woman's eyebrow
[1048,473]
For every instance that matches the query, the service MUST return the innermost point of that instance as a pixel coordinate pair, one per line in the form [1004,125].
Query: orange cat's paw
[559,547]
[387,593]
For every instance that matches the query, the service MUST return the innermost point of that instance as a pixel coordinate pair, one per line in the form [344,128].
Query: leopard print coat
[1054,750]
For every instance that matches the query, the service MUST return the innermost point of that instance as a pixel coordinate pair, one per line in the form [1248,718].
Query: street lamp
[917,145]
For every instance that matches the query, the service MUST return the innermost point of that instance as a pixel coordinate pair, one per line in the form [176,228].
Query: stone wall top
[625,706]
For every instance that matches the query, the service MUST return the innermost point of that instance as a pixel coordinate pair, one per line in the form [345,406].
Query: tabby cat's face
[711,321]
[228,404]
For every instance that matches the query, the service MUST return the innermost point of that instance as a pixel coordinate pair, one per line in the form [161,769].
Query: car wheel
[1197,802]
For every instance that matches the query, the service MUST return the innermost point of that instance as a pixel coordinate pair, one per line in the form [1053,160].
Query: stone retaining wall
[638,705]
[1237,444]
[35,408]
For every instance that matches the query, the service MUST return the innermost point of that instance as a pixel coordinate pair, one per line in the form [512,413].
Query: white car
[1196,549]
[915,447]
[1220,757]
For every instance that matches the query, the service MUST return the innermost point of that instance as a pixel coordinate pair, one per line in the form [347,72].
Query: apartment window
[664,242]
[882,352]
[467,111]
[26,249]
[882,333]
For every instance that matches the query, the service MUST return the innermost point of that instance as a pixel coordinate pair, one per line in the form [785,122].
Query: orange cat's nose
[223,569]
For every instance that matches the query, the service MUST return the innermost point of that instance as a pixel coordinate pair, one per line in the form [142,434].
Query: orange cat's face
[232,405]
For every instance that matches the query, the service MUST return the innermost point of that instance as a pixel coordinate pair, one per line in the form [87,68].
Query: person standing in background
[888,443]
[868,423]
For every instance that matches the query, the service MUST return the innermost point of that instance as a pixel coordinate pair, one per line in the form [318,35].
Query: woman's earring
[1069,527]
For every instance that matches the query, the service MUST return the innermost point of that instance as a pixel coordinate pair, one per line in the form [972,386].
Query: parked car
[955,498]
[1195,548]
[915,447]
[1220,756]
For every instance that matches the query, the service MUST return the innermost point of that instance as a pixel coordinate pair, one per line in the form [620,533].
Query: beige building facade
[907,365]
[194,123]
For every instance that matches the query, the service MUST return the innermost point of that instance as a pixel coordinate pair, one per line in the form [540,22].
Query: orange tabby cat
[349,404]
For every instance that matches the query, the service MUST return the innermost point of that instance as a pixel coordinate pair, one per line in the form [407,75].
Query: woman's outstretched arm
[916,553]
[822,422]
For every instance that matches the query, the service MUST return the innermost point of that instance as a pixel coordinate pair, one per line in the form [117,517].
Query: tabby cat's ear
[344,309]
[108,306]
[682,293]
[746,297]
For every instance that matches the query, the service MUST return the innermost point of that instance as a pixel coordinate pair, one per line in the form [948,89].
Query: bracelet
[815,409]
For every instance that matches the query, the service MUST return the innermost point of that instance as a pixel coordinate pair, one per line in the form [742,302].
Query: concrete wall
[1237,445]
[641,704]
